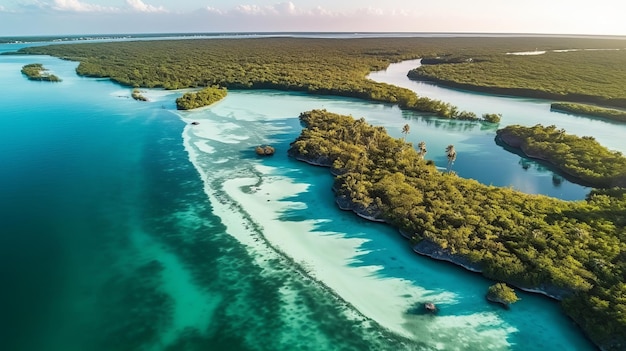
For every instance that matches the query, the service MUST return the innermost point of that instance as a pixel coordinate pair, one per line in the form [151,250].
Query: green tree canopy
[502,293]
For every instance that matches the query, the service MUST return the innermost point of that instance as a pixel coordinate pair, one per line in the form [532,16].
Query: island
[589,110]
[137,95]
[265,150]
[36,71]
[204,97]
[580,159]
[571,251]
[502,294]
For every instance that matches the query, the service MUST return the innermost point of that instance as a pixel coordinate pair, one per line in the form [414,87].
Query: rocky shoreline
[518,143]
[428,248]
[425,247]
[315,152]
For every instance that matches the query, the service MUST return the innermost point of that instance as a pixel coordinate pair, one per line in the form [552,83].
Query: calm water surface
[119,231]
[479,157]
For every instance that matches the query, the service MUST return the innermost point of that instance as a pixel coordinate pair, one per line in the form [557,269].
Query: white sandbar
[325,256]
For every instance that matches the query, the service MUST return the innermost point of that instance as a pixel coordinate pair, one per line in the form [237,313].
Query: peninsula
[570,251]
[590,110]
[204,97]
[582,159]
[593,75]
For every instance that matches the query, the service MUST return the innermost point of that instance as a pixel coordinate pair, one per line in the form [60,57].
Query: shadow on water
[449,124]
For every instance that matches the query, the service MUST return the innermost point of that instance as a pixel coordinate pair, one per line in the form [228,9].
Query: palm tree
[451,154]
[421,146]
[406,130]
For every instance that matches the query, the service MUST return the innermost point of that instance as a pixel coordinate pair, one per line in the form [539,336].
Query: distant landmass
[148,36]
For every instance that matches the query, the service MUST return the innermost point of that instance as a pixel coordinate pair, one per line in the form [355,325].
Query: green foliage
[580,157]
[492,117]
[502,293]
[575,250]
[36,71]
[204,97]
[591,110]
[591,76]
[137,95]
[317,66]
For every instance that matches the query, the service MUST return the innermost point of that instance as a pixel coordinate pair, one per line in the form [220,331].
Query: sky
[69,17]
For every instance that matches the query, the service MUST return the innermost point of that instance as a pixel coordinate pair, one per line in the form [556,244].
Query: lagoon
[127,227]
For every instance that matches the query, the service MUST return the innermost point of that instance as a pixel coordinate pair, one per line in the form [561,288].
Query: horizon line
[387,33]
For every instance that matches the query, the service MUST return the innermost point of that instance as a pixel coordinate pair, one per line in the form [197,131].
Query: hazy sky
[41,17]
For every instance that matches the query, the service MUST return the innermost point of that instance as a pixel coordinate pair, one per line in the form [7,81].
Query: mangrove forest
[583,159]
[589,76]
[324,66]
[204,97]
[589,110]
[573,251]
[36,71]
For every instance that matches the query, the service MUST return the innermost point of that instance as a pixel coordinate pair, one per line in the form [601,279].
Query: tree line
[204,97]
[580,157]
[317,66]
[590,110]
[584,76]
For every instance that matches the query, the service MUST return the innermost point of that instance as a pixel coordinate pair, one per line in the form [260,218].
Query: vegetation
[318,66]
[591,76]
[451,156]
[137,95]
[580,157]
[204,97]
[575,251]
[501,293]
[591,110]
[36,71]
[492,117]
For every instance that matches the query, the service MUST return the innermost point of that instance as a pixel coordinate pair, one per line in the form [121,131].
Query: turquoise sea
[124,227]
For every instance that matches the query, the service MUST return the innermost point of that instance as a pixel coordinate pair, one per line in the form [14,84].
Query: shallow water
[126,228]
[110,243]
[231,129]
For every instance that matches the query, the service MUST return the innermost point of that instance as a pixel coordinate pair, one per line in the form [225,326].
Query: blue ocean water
[109,241]
[126,228]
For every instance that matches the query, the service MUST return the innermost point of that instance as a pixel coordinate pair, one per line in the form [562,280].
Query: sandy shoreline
[251,200]
[325,256]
